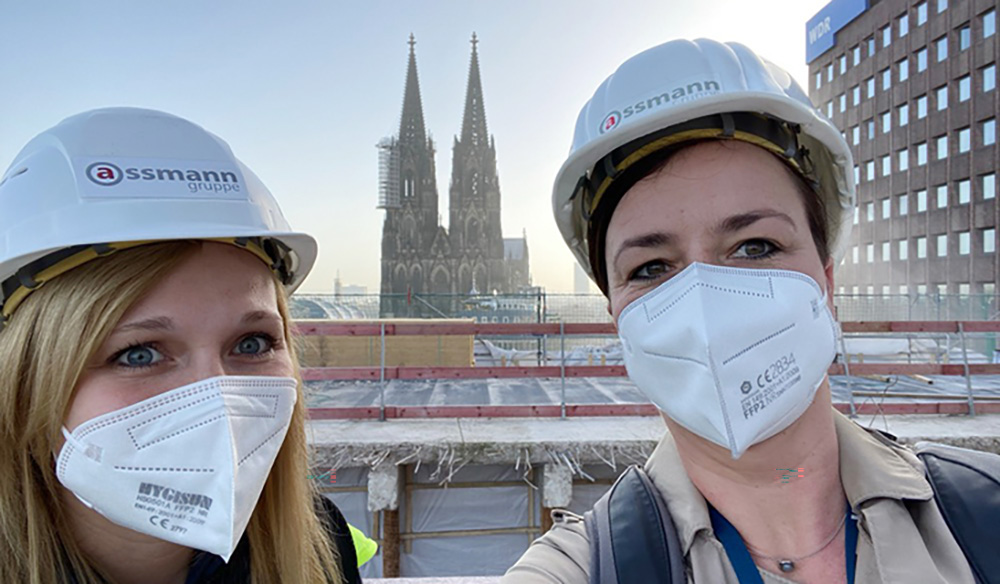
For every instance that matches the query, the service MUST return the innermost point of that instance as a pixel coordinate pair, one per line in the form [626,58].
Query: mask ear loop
[91,451]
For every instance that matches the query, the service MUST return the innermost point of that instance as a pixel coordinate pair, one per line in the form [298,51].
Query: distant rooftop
[513,248]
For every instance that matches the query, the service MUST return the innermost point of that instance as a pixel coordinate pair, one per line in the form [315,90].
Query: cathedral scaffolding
[388,174]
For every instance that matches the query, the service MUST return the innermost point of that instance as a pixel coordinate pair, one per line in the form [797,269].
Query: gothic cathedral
[420,256]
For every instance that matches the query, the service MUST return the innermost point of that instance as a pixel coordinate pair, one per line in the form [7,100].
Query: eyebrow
[259,315]
[164,323]
[161,323]
[646,240]
[734,223]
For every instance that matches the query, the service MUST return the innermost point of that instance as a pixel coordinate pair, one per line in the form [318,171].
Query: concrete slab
[981,432]
[459,441]
[571,441]
[558,430]
[598,390]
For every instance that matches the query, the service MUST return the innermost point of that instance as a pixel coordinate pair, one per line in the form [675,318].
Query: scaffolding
[388,173]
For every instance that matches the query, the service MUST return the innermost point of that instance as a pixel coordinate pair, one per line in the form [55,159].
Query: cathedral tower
[474,197]
[419,256]
[408,193]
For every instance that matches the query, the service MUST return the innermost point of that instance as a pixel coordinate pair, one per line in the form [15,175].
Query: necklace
[788,564]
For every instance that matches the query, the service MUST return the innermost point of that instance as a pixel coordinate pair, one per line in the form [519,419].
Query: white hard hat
[688,90]
[119,177]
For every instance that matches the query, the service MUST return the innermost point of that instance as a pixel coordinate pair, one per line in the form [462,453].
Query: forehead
[703,183]
[215,279]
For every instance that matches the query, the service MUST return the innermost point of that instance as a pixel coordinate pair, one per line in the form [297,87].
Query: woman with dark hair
[710,201]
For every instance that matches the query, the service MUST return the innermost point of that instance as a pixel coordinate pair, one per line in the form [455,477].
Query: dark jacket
[208,568]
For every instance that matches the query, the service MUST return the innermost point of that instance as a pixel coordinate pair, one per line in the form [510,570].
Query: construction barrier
[387,369]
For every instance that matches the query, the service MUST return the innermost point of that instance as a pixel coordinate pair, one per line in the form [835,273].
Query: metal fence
[916,307]
[884,351]
[541,306]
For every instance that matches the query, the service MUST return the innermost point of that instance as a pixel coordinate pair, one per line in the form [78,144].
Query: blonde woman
[151,413]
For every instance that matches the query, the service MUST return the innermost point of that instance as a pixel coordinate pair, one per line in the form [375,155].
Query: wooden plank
[867,407]
[348,328]
[519,411]
[476,372]
[527,372]
[373,373]
[390,544]
[409,328]
[919,326]
[589,410]
[345,373]
[956,369]
[340,328]
[350,413]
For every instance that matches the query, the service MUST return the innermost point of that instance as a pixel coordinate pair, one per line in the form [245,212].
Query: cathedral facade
[420,255]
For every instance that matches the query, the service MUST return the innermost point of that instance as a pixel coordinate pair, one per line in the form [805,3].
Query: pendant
[786,565]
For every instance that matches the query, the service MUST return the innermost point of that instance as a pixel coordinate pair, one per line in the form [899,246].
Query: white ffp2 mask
[733,355]
[186,466]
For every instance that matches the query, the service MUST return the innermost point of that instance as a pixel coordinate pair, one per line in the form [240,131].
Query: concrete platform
[353,443]
[602,390]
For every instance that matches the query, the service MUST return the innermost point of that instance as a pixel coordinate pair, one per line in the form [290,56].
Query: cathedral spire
[411,123]
[474,119]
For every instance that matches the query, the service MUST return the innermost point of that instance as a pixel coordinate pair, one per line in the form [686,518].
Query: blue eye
[138,356]
[255,344]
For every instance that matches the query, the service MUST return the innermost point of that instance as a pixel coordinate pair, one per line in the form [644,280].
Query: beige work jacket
[902,537]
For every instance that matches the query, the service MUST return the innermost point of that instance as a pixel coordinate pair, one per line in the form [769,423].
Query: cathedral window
[408,187]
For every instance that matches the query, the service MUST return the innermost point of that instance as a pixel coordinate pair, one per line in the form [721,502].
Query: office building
[912,86]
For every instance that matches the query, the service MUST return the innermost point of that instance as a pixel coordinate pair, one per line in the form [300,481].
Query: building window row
[939,45]
[988,135]
[986,289]
[962,239]
[987,82]
[962,189]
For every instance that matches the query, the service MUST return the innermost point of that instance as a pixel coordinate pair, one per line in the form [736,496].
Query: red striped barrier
[549,371]
[370,329]
[865,408]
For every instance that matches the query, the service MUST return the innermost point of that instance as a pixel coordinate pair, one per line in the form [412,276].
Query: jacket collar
[685,503]
[871,466]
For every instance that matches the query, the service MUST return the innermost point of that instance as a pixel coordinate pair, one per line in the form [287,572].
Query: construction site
[451,440]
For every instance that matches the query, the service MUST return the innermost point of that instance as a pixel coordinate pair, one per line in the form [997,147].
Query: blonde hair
[43,351]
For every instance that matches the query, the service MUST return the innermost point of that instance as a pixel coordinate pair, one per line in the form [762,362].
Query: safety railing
[968,403]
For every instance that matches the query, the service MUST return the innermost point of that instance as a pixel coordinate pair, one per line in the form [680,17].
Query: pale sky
[303,90]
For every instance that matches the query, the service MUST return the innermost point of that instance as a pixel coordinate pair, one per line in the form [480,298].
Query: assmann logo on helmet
[610,121]
[212,180]
[105,174]
[679,94]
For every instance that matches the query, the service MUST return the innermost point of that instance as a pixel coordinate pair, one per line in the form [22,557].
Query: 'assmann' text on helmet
[678,94]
